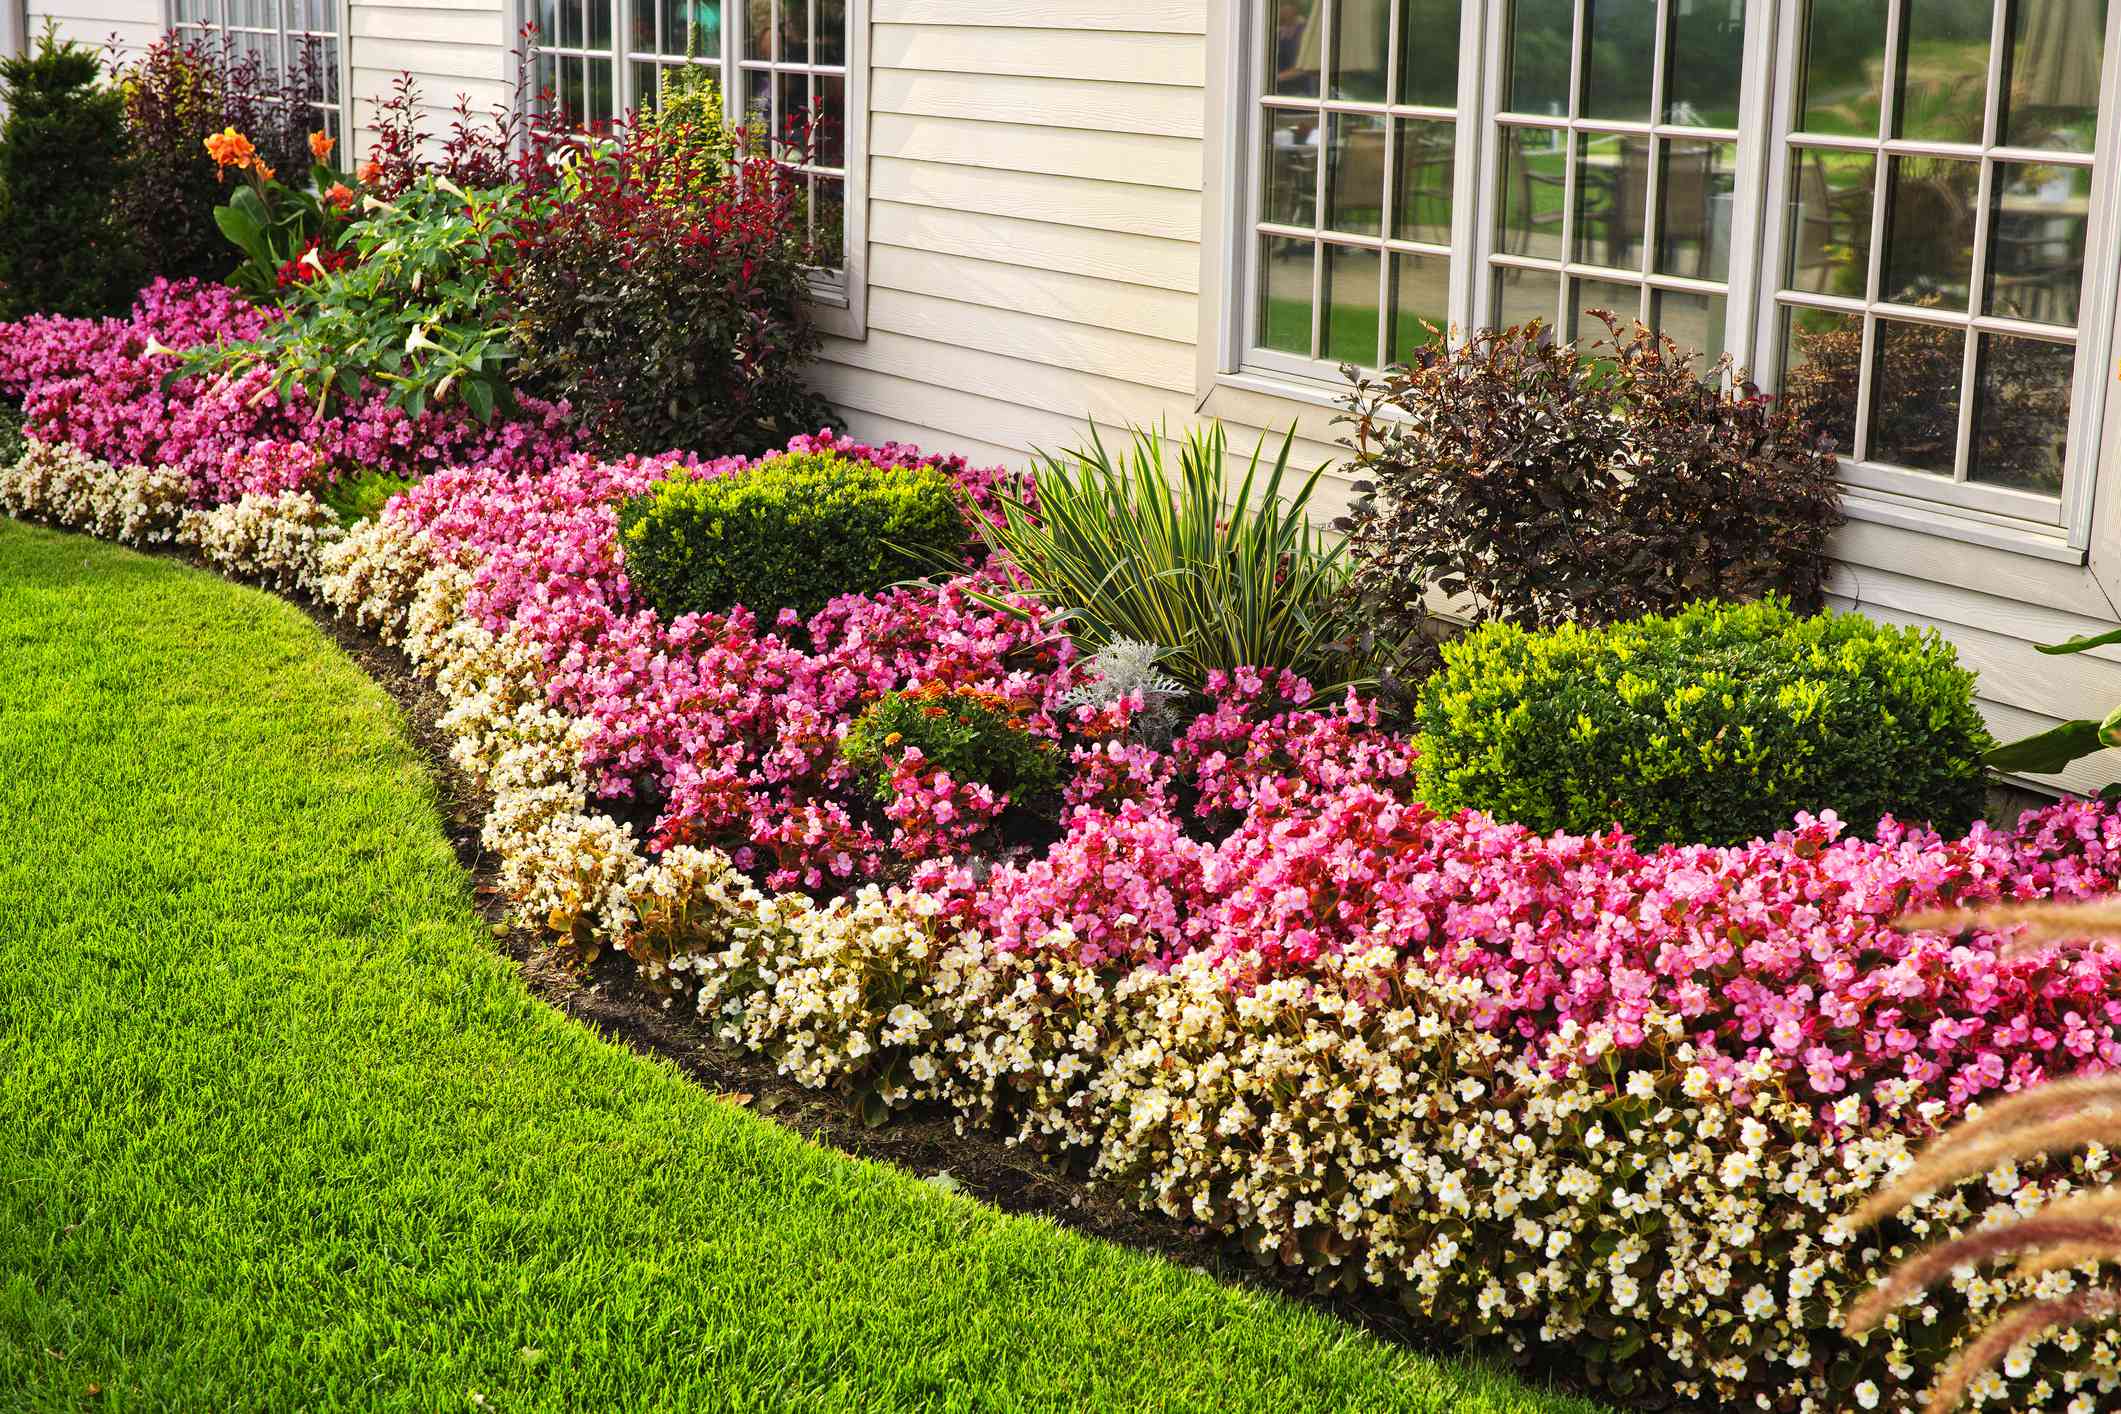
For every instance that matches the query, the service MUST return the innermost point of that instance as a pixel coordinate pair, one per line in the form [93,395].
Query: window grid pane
[1907,230]
[293,42]
[1355,153]
[1619,163]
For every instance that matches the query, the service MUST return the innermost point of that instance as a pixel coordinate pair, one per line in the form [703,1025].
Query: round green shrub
[1713,725]
[974,735]
[792,532]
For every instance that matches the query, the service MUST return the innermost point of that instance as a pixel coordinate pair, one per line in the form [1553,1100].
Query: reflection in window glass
[1421,303]
[1349,318]
[2051,85]
[1694,322]
[2021,413]
[1830,221]
[1704,65]
[1533,185]
[1291,192]
[1612,192]
[1623,302]
[1915,374]
[1696,186]
[1929,231]
[1285,295]
[1540,36]
[1842,82]
[2038,216]
[1621,35]
[1355,174]
[1522,296]
[1423,180]
[1943,80]
[1361,37]
[1295,38]
[1428,53]
[1822,370]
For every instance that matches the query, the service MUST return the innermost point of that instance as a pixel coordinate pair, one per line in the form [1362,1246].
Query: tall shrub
[63,249]
[176,93]
[1548,482]
[663,298]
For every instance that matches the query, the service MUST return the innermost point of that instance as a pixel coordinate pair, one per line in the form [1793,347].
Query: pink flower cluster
[727,728]
[93,383]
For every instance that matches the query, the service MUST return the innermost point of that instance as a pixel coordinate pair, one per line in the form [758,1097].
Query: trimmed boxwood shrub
[1713,725]
[793,532]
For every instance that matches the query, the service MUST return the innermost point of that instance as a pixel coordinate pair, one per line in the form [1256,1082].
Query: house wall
[1046,195]
[133,23]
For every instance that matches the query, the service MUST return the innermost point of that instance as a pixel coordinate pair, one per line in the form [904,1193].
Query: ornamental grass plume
[2076,1231]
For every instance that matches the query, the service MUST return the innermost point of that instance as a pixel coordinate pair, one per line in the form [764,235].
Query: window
[603,58]
[1882,207]
[283,36]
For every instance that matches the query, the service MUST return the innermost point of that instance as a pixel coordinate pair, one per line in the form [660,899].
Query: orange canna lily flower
[230,148]
[320,146]
[370,171]
[340,195]
[265,173]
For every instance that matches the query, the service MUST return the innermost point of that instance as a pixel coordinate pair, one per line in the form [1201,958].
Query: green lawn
[279,1130]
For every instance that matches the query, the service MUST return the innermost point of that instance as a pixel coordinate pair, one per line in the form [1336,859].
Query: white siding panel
[1049,103]
[1135,359]
[1051,294]
[1112,56]
[1066,201]
[1146,16]
[1036,245]
[1146,160]
[134,24]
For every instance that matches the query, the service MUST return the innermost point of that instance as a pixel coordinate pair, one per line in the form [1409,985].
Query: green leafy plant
[1712,725]
[974,735]
[363,495]
[792,532]
[1547,482]
[287,234]
[417,311]
[1131,551]
[2044,753]
[64,157]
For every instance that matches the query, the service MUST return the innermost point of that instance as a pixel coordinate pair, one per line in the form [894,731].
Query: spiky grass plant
[2050,1119]
[1129,548]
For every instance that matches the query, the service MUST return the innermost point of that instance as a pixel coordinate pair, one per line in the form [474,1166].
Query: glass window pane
[1844,67]
[1929,231]
[1623,302]
[1541,36]
[603,99]
[1822,365]
[2021,413]
[1285,294]
[1692,321]
[1695,189]
[1612,199]
[798,135]
[1620,45]
[1830,221]
[1362,35]
[758,29]
[642,35]
[647,87]
[831,120]
[1291,191]
[1296,39]
[2051,82]
[571,23]
[1350,331]
[1522,296]
[1428,53]
[2036,226]
[1421,300]
[574,90]
[548,21]
[831,32]
[677,26]
[758,101]
[1422,179]
[1355,175]
[794,31]
[600,23]
[1943,83]
[1532,187]
[1703,66]
[829,228]
[1915,374]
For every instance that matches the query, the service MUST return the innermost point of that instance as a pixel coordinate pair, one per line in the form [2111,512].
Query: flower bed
[1548,1088]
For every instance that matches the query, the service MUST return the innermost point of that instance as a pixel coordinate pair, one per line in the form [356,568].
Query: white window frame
[214,30]
[2051,528]
[839,295]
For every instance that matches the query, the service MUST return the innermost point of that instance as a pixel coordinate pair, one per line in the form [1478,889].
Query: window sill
[1869,507]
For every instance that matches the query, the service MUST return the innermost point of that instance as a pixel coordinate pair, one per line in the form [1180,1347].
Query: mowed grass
[280,1131]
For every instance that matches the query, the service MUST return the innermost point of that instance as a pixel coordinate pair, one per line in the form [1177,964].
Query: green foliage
[362,495]
[2045,753]
[417,311]
[1131,551]
[273,224]
[63,160]
[1712,725]
[974,735]
[12,442]
[792,532]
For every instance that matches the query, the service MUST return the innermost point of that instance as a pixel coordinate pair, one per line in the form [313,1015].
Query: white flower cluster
[1677,1227]
[275,539]
[134,505]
